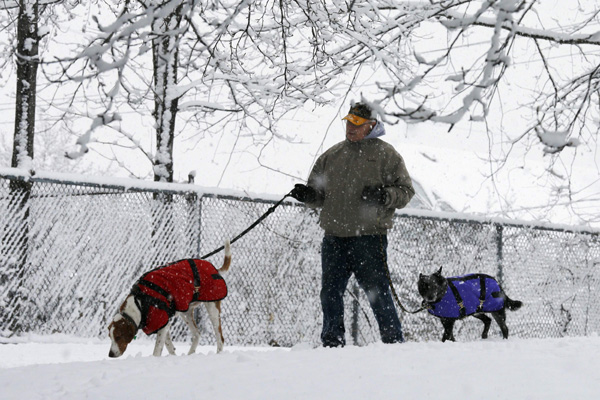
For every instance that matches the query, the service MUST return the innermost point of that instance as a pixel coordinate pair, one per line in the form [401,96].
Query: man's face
[356,133]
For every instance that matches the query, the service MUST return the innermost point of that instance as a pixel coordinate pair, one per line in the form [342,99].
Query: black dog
[454,298]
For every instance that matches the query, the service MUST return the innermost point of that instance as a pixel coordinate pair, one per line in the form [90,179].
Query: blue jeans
[365,257]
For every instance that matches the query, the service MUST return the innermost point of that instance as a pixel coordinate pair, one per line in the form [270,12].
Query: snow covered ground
[69,368]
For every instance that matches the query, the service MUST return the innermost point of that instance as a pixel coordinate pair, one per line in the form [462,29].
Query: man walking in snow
[358,183]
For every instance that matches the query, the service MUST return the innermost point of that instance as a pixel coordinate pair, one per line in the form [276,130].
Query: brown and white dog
[176,288]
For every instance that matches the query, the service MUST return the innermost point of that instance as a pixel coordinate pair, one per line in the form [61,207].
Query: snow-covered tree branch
[242,64]
[565,104]
[143,76]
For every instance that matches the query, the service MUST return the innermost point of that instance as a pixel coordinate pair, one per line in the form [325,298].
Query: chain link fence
[71,250]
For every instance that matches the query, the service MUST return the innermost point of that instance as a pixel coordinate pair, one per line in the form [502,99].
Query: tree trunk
[165,58]
[20,190]
[27,65]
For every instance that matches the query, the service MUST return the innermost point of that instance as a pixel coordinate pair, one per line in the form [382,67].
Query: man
[358,183]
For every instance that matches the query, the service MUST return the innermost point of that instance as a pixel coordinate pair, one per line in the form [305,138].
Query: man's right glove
[303,193]
[374,195]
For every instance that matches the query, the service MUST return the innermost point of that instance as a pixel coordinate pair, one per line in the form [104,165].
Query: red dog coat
[170,288]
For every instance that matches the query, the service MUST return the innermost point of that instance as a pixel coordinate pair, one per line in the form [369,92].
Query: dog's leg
[448,324]
[486,324]
[161,337]
[214,313]
[169,343]
[500,317]
[188,317]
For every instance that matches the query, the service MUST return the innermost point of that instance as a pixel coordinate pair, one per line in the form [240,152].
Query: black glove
[374,195]
[303,193]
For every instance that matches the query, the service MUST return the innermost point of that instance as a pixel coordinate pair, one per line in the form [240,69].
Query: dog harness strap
[459,300]
[194,268]
[143,306]
[194,271]
[155,287]
[482,293]
[148,300]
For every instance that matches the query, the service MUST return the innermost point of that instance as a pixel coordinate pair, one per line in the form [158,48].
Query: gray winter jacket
[341,173]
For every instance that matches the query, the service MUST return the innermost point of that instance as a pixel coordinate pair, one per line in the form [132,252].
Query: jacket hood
[377,131]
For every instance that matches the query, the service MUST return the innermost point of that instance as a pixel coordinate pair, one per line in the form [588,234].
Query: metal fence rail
[70,252]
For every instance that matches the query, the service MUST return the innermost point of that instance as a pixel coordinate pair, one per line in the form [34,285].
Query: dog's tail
[227,260]
[512,305]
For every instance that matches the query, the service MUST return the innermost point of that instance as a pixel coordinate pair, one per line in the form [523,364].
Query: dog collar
[130,319]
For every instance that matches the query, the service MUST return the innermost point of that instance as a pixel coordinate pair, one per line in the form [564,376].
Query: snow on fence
[72,247]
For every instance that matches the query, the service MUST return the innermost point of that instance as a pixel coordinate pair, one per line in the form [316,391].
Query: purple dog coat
[469,294]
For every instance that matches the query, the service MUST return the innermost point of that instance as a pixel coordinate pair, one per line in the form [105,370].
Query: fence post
[194,200]
[499,249]
[355,310]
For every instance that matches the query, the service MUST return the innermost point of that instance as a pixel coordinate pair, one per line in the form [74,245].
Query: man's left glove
[374,195]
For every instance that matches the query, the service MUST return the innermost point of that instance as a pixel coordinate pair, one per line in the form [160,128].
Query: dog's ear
[439,271]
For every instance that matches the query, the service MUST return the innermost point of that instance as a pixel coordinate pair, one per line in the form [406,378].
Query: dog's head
[123,327]
[432,287]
